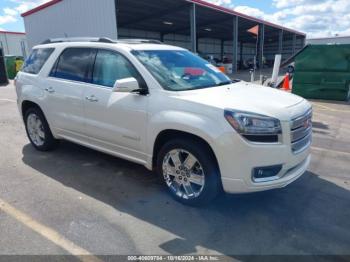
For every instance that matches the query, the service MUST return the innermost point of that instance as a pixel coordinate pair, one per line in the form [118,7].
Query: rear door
[65,88]
[115,121]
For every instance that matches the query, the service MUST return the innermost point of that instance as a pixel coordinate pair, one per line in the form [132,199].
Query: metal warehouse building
[204,28]
[337,40]
[13,43]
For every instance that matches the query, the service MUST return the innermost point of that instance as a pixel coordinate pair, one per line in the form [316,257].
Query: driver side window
[111,66]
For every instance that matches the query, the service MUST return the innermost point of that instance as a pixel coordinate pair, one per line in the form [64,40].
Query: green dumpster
[3,74]
[323,72]
[10,62]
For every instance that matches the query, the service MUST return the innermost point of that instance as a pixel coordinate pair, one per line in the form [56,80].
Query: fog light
[265,174]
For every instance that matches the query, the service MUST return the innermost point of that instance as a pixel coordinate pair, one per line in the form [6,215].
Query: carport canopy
[200,19]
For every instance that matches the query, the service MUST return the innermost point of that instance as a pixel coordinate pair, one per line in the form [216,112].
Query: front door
[115,121]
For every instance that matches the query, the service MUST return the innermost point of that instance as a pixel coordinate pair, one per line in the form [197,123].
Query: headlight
[254,127]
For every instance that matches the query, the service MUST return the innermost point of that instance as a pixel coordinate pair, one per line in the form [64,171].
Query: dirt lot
[78,201]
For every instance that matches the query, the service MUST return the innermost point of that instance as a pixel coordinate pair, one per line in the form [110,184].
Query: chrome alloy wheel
[35,129]
[183,174]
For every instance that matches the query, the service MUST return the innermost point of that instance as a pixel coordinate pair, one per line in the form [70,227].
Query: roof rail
[78,39]
[140,41]
[101,40]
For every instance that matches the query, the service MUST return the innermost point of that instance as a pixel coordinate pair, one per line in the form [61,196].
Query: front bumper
[237,159]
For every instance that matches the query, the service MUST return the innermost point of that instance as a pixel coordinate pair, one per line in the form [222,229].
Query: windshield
[181,70]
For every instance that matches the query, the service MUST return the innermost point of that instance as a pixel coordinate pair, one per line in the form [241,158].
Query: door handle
[50,90]
[91,98]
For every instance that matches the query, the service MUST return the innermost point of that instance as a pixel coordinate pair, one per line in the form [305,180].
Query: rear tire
[38,130]
[189,170]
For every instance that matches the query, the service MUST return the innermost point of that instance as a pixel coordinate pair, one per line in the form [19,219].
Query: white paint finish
[72,18]
[105,120]
[69,119]
[136,121]
[11,44]
[245,97]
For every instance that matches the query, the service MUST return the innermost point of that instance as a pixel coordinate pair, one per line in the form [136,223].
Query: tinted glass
[181,70]
[36,60]
[73,64]
[111,66]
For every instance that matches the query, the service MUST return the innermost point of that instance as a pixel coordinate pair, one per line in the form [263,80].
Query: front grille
[301,132]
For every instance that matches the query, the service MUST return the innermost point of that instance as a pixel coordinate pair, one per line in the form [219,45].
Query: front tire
[38,130]
[189,171]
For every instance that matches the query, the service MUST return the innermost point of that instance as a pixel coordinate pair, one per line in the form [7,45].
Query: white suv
[165,108]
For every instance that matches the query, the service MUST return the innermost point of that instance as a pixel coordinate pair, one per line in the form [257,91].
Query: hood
[248,97]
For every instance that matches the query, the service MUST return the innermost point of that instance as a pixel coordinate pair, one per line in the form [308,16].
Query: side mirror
[126,85]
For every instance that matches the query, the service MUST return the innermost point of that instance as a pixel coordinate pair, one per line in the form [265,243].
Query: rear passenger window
[111,66]
[36,60]
[73,64]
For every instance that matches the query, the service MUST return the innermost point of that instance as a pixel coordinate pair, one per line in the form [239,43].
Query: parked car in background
[165,108]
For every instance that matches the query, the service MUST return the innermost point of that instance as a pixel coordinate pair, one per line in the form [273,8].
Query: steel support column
[197,44]
[294,43]
[241,55]
[304,42]
[222,49]
[280,42]
[193,28]
[234,44]
[261,45]
[116,3]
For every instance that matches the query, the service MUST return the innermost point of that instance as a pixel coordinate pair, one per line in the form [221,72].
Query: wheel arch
[166,135]
[26,104]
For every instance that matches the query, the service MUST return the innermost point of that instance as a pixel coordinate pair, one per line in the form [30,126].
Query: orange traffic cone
[286,85]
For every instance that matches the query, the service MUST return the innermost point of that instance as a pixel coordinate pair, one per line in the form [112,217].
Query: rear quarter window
[36,60]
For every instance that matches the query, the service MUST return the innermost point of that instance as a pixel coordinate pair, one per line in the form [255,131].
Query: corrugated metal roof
[330,37]
[230,11]
[40,7]
[199,2]
[12,33]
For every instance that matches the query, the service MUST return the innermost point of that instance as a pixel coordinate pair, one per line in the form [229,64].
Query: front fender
[200,125]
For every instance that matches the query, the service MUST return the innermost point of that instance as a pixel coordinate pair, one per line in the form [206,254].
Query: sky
[316,18]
